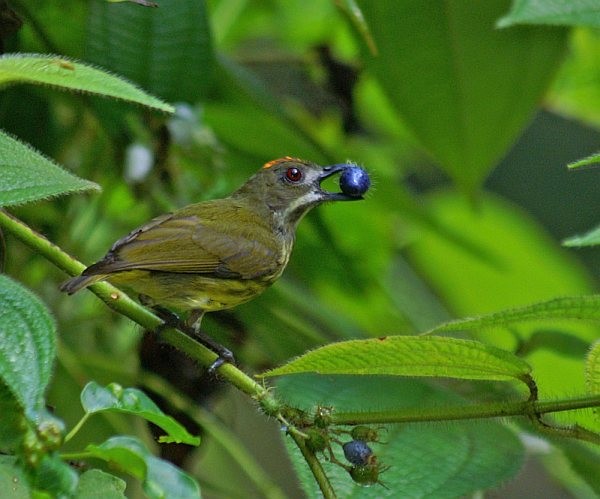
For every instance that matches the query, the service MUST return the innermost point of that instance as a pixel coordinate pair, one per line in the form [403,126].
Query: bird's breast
[189,291]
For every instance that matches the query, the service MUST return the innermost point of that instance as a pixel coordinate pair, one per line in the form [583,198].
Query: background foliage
[466,128]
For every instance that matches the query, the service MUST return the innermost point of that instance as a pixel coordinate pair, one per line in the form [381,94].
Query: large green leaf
[115,398]
[553,12]
[464,88]
[27,345]
[352,11]
[575,92]
[55,477]
[410,356]
[96,483]
[72,75]
[250,109]
[159,478]
[12,420]
[167,50]
[520,265]
[426,460]
[13,480]
[583,460]
[26,175]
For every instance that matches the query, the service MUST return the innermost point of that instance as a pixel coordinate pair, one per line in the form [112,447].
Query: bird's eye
[293,174]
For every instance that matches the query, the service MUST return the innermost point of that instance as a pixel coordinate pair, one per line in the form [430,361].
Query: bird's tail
[79,282]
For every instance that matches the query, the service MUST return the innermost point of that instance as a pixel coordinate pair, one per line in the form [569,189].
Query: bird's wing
[185,243]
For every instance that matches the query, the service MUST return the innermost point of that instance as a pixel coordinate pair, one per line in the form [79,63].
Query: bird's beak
[329,171]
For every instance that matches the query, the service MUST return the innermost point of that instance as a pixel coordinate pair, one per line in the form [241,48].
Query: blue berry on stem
[357,452]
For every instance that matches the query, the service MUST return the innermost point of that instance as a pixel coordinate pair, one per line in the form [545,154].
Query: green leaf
[26,175]
[352,11]
[126,454]
[592,372]
[167,51]
[55,477]
[250,109]
[591,160]
[553,12]
[565,344]
[144,3]
[72,75]
[591,238]
[453,77]
[426,460]
[100,485]
[27,345]
[13,481]
[578,307]
[115,398]
[575,93]
[12,420]
[517,250]
[410,356]
[583,460]
[160,478]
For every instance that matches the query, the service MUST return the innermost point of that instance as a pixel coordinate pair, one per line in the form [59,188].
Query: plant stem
[315,466]
[471,411]
[75,456]
[77,427]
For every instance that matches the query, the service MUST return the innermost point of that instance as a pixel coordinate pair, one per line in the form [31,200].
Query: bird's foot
[224,354]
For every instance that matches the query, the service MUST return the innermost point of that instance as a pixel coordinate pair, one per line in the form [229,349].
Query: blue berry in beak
[354,181]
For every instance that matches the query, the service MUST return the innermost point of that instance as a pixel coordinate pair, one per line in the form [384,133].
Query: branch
[479,411]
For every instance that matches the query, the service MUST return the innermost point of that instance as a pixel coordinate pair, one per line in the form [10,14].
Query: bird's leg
[170,319]
[191,327]
[224,354]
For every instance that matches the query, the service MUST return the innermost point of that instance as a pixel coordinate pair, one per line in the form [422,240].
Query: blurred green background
[466,130]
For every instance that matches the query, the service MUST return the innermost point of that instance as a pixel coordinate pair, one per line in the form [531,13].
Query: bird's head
[290,187]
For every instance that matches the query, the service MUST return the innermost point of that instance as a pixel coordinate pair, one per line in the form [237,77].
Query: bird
[220,253]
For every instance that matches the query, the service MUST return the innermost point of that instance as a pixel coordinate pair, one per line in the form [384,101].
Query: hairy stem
[480,411]
[471,411]
[315,466]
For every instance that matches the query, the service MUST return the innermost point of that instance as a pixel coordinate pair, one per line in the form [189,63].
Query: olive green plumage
[217,254]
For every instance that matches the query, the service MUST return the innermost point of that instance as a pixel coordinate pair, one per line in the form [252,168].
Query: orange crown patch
[281,160]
